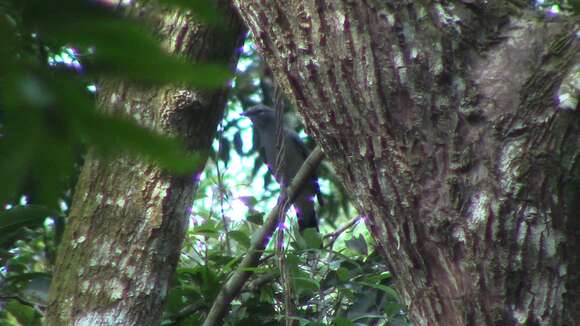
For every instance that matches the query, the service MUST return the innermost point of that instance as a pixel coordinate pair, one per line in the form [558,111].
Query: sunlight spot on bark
[563,270]
[340,19]
[130,271]
[161,189]
[569,91]
[479,210]
[85,286]
[520,315]
[143,283]
[437,66]
[116,289]
[102,256]
[521,238]
[148,214]
[447,17]
[510,173]
[99,198]
[542,235]
[78,241]
[414,53]
[121,202]
[102,317]
[363,149]
[412,234]
[567,102]
[390,19]
[459,233]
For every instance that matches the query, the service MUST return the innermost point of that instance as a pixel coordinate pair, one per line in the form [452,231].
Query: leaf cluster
[52,59]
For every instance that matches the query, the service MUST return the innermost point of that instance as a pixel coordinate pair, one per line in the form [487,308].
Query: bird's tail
[306,217]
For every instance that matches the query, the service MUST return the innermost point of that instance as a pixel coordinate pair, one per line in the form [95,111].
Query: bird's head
[261,116]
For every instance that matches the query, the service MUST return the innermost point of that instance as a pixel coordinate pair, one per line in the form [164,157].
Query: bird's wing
[299,143]
[305,152]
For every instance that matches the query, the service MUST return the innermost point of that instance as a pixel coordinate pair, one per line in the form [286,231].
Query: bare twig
[334,235]
[222,192]
[235,283]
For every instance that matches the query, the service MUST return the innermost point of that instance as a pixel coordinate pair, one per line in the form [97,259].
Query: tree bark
[455,127]
[128,217]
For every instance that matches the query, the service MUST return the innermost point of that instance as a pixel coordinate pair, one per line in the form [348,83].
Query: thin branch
[343,228]
[185,312]
[259,282]
[221,191]
[235,283]
[334,235]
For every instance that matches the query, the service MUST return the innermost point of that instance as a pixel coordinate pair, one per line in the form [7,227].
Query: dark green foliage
[12,221]
[572,6]
[23,314]
[49,118]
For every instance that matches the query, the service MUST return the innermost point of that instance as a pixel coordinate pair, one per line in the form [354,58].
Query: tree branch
[334,235]
[233,286]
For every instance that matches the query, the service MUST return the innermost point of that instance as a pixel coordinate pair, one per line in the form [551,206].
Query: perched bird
[264,122]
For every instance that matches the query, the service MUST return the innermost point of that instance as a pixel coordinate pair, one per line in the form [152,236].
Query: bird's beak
[248,114]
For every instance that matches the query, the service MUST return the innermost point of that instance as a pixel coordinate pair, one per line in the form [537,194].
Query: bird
[264,124]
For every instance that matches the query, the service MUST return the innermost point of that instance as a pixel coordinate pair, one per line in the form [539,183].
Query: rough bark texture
[128,217]
[455,127]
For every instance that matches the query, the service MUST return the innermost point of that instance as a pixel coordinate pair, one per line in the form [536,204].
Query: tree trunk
[128,217]
[455,127]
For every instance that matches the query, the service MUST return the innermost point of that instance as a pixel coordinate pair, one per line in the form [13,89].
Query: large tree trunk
[455,127]
[128,217]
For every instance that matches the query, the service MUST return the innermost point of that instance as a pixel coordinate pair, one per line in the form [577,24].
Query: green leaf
[114,134]
[378,278]
[175,300]
[24,314]
[343,274]
[241,237]
[342,321]
[47,116]
[357,244]
[20,216]
[312,238]
[120,46]
[257,270]
[207,229]
[393,309]
[305,284]
[575,4]
[391,293]
[256,218]
[369,316]
[13,219]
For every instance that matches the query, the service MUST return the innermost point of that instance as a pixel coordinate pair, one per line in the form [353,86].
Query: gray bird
[264,122]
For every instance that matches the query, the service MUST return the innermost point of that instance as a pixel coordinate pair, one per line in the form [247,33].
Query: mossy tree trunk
[128,217]
[455,127]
